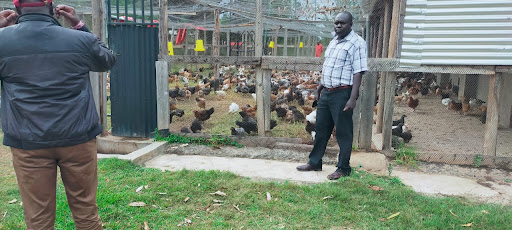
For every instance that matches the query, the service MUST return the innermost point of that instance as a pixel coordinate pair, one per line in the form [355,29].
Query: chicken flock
[286,88]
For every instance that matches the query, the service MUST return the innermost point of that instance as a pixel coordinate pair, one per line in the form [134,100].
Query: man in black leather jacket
[49,118]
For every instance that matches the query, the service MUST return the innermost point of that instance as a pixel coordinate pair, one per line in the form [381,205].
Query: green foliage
[477,161]
[405,155]
[215,141]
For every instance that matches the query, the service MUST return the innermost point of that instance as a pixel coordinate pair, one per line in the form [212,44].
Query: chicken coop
[437,75]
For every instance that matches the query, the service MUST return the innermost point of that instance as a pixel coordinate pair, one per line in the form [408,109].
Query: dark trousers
[36,171]
[330,114]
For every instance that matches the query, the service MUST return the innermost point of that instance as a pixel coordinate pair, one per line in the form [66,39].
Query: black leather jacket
[47,99]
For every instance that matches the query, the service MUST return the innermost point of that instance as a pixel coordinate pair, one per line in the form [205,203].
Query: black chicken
[401,120]
[297,115]
[196,126]
[237,131]
[173,93]
[177,112]
[248,123]
[281,112]
[310,127]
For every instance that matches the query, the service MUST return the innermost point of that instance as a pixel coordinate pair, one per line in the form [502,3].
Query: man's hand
[351,104]
[316,94]
[7,18]
[68,13]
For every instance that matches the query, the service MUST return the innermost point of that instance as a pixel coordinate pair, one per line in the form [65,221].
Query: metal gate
[134,38]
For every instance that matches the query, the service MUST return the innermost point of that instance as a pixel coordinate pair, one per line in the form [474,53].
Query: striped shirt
[343,59]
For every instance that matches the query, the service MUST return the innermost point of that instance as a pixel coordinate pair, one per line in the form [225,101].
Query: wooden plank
[233,60]
[274,50]
[216,41]
[267,75]
[285,44]
[367,101]
[163,30]
[389,105]
[387,25]
[99,80]
[393,39]
[162,95]
[375,33]
[260,113]
[380,105]
[491,125]
[379,37]
[228,46]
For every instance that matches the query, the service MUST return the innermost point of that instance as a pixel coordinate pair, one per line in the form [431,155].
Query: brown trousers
[36,171]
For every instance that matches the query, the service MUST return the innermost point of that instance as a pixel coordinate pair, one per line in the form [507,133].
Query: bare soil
[437,130]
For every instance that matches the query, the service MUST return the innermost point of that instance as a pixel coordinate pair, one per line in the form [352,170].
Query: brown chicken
[307,110]
[456,106]
[203,115]
[439,91]
[201,102]
[413,103]
[465,107]
[172,105]
[413,91]
[251,111]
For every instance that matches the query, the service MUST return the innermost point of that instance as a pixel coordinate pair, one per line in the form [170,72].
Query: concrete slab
[147,153]
[254,168]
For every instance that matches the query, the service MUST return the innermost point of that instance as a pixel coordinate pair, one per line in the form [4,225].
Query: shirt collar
[346,38]
[37,17]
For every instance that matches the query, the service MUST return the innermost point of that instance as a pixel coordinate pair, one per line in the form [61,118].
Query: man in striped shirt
[344,65]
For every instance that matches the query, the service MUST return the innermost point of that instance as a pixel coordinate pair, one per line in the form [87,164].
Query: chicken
[446,101]
[413,103]
[281,112]
[196,126]
[456,106]
[273,123]
[465,107]
[172,105]
[177,112]
[248,123]
[401,120]
[397,130]
[310,127]
[483,117]
[201,102]
[237,131]
[233,108]
[203,115]
[297,115]
[307,110]
[407,136]
[188,94]
[439,91]
[173,93]
[251,111]
[413,91]
[184,130]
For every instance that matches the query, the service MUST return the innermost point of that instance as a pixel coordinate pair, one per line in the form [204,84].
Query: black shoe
[308,167]
[338,174]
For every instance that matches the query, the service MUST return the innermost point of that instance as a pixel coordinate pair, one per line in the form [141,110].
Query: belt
[339,88]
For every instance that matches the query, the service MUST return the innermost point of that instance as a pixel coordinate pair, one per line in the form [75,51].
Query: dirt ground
[437,130]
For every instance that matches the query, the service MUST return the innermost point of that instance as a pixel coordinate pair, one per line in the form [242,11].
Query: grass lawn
[345,204]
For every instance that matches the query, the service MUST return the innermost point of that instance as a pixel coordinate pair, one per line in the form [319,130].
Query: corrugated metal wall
[133,79]
[457,32]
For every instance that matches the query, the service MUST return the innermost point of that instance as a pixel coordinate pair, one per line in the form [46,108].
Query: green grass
[351,203]
[406,155]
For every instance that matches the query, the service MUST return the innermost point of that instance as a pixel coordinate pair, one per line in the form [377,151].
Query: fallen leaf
[393,216]
[137,204]
[219,193]
[198,185]
[453,214]
[21,203]
[13,201]
[486,212]
[467,225]
[139,189]
[382,219]
[146,186]
[375,188]
[5,214]
[163,170]
[327,197]
[184,145]
[217,205]
[162,193]
[146,227]
[236,207]
[218,201]
[268,196]
[188,221]
[280,226]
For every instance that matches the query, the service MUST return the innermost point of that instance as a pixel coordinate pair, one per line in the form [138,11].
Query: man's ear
[18,11]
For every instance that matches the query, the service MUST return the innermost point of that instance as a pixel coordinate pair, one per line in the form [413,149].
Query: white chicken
[311,117]
[446,101]
[233,108]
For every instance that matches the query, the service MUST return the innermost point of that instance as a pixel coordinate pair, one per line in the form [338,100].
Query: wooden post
[389,104]
[394,29]
[228,38]
[216,41]
[285,43]
[386,35]
[196,38]
[260,98]
[297,49]
[172,35]
[382,100]
[308,48]
[375,34]
[367,101]
[491,125]
[162,96]
[163,30]
[274,50]
[186,50]
[245,43]
[379,38]
[267,75]
[99,80]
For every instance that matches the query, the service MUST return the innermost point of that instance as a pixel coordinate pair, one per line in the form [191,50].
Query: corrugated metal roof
[457,32]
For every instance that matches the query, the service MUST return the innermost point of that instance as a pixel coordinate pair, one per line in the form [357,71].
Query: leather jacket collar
[37,17]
